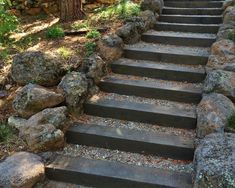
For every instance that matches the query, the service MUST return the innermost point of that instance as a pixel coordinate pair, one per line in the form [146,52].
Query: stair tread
[139,136]
[145,107]
[185,8]
[186,24]
[101,170]
[154,83]
[169,49]
[192,16]
[181,34]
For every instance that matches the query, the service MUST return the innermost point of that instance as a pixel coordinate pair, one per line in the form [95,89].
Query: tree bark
[71,10]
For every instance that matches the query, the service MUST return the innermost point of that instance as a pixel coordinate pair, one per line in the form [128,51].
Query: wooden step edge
[170,146]
[145,113]
[105,174]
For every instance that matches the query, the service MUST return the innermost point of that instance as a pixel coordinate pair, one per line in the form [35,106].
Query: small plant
[231,121]
[4,54]
[55,32]
[66,53]
[77,25]
[6,132]
[231,36]
[90,48]
[93,34]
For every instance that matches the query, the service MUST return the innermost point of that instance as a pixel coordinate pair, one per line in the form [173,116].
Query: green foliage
[55,32]
[6,132]
[93,34]
[90,48]
[8,22]
[65,53]
[231,121]
[231,36]
[4,54]
[123,10]
[79,25]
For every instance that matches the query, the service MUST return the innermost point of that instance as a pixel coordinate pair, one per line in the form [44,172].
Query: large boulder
[94,67]
[129,33]
[214,161]
[226,31]
[228,3]
[149,19]
[16,122]
[221,81]
[110,47]
[213,113]
[33,98]
[222,54]
[36,67]
[229,15]
[22,169]
[154,5]
[43,137]
[75,86]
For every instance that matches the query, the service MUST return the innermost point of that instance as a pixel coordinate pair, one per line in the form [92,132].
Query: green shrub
[55,32]
[231,36]
[93,34]
[77,26]
[8,22]
[6,132]
[66,53]
[90,48]
[231,121]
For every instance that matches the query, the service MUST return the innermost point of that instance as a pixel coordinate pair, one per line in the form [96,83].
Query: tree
[71,10]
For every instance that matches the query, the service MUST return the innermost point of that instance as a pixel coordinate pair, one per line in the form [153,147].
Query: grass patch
[93,34]
[80,25]
[55,32]
[122,10]
[6,133]
[231,121]
[64,52]
[90,48]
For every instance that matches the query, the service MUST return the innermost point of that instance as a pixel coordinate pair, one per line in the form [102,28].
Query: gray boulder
[213,113]
[16,122]
[221,81]
[149,19]
[222,54]
[110,47]
[129,33]
[214,162]
[154,5]
[228,3]
[229,15]
[95,68]
[36,67]
[226,31]
[75,87]
[33,98]
[22,169]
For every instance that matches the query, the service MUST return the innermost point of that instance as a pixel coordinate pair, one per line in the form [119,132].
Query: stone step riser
[153,72]
[143,89]
[194,4]
[131,141]
[178,40]
[104,174]
[165,57]
[191,11]
[186,28]
[139,113]
[191,19]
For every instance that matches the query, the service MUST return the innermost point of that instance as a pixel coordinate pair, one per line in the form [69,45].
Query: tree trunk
[71,10]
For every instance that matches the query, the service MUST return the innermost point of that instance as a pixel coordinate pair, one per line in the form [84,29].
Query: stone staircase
[157,82]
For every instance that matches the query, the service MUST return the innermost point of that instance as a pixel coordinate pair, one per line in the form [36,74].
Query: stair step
[180,27]
[105,174]
[194,4]
[192,11]
[193,19]
[167,53]
[170,146]
[141,112]
[179,38]
[158,70]
[149,89]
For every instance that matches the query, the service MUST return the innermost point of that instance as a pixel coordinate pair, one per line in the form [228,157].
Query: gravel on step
[164,103]
[184,50]
[127,158]
[181,34]
[116,123]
